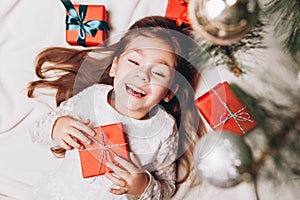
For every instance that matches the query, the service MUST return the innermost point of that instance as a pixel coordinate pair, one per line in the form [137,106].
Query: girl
[147,84]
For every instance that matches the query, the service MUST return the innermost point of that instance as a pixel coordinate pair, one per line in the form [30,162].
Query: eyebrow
[159,61]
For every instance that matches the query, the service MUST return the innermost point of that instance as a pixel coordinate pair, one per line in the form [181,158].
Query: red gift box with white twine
[108,142]
[224,111]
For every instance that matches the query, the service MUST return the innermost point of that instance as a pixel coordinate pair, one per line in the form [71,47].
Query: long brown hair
[77,69]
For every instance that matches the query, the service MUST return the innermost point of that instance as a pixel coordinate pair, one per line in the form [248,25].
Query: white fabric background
[26,28]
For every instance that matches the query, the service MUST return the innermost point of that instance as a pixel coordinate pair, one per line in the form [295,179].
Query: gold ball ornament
[222,22]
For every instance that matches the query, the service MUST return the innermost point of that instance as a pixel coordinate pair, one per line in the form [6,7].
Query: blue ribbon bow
[75,21]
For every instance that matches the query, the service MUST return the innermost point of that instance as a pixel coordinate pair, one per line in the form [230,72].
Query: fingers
[86,122]
[117,181]
[82,126]
[121,172]
[118,191]
[135,160]
[65,145]
[130,167]
[68,142]
[129,178]
[69,132]
[72,142]
[78,134]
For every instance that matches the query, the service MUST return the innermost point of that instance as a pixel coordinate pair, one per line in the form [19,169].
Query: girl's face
[143,76]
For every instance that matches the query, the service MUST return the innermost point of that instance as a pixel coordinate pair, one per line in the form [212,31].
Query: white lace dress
[154,141]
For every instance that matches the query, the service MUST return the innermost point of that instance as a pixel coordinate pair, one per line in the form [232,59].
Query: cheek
[164,82]
[120,75]
[160,91]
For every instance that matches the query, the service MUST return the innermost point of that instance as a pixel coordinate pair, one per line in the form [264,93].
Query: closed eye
[159,74]
[134,62]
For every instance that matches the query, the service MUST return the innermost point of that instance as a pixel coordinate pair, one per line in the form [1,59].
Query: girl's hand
[67,131]
[131,180]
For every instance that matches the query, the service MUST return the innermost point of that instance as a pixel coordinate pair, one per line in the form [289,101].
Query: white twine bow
[237,116]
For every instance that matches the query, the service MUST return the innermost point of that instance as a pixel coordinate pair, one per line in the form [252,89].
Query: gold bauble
[222,22]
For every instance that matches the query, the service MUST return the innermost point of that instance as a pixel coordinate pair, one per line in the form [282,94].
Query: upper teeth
[136,89]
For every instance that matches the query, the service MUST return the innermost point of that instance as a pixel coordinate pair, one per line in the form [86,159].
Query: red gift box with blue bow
[86,25]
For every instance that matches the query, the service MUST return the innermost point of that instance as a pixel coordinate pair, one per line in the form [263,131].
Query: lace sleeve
[162,180]
[42,130]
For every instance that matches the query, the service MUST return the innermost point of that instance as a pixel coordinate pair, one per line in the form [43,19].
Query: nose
[143,73]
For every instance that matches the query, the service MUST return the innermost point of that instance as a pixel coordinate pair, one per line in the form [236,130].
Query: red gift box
[108,142]
[85,24]
[224,111]
[177,10]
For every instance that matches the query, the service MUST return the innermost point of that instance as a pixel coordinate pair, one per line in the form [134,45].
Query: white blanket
[26,28]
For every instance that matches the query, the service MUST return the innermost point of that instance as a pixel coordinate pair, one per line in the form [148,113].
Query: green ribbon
[75,21]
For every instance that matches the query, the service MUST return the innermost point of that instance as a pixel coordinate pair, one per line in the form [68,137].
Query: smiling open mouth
[135,91]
